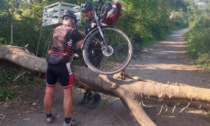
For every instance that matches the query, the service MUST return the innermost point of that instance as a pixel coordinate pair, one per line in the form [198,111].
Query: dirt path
[167,61]
[164,62]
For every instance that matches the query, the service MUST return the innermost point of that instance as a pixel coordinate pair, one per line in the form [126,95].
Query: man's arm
[80,44]
[82,33]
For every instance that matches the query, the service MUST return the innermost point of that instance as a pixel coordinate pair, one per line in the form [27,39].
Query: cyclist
[64,36]
[88,11]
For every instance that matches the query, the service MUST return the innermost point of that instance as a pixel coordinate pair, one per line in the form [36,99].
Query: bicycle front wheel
[110,57]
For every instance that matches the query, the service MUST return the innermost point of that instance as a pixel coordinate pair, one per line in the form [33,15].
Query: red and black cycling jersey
[64,37]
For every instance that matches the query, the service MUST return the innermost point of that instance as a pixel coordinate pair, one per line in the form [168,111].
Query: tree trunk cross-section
[132,92]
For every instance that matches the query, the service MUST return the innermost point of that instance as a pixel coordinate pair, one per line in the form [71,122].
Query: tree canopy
[21,20]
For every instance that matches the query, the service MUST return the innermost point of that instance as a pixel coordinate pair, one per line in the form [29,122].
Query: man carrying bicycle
[111,12]
[88,11]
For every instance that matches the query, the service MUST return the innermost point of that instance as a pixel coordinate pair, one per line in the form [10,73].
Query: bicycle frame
[98,26]
[106,49]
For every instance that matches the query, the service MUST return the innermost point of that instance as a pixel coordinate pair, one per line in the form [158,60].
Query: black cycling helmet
[87,6]
[70,15]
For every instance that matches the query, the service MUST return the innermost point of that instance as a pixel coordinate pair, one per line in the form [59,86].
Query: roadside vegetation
[198,37]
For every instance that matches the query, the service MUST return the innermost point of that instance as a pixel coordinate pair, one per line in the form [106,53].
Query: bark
[22,57]
[132,91]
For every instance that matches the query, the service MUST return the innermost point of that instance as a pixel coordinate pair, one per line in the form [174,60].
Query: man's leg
[48,99]
[96,101]
[67,81]
[67,102]
[67,106]
[88,96]
[48,102]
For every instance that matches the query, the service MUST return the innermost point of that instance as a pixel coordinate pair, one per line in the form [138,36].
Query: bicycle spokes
[110,57]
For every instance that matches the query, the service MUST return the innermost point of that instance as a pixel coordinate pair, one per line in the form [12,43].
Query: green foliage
[9,78]
[199,40]
[16,76]
[150,19]
[7,93]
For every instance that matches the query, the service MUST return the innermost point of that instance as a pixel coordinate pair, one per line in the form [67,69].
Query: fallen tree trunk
[131,91]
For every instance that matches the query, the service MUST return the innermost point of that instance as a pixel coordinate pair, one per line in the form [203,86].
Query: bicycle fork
[107,50]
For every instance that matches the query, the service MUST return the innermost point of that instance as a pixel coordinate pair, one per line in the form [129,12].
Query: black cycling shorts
[61,72]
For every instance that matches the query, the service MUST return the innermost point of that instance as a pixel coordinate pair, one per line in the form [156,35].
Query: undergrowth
[198,40]
[11,81]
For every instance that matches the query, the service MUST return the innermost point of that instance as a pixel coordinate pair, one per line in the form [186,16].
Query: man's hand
[82,33]
[92,25]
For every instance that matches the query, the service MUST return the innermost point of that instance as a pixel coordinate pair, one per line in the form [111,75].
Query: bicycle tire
[97,60]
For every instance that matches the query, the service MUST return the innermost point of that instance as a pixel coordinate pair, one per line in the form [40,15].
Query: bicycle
[106,49]
[137,47]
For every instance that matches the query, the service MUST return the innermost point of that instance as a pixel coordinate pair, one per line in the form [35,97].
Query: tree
[132,91]
[10,6]
[150,19]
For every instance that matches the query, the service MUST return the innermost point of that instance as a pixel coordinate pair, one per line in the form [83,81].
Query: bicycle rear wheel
[107,58]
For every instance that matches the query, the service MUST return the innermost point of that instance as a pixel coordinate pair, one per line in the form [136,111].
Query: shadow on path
[168,61]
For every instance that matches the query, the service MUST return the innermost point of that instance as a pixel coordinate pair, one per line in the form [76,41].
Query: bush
[199,40]
[12,78]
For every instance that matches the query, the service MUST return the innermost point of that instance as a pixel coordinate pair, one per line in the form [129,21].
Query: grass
[7,93]
[12,79]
